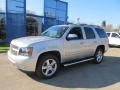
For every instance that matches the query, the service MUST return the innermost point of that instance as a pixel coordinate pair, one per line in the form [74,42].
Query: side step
[81,61]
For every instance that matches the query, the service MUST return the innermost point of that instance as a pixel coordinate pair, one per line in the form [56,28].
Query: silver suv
[59,45]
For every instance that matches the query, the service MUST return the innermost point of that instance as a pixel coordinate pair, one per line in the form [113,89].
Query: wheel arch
[102,47]
[55,52]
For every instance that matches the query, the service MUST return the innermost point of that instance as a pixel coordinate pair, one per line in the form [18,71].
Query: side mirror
[72,37]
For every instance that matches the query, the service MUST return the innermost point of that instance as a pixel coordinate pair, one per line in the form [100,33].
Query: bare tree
[103,24]
[109,28]
[119,28]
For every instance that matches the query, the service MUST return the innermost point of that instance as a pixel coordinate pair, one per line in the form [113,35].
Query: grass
[4,48]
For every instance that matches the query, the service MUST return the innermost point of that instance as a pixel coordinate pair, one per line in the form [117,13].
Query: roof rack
[83,24]
[86,25]
[95,26]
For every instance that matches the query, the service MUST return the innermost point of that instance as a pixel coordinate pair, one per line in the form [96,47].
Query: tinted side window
[101,33]
[115,35]
[77,32]
[108,34]
[89,33]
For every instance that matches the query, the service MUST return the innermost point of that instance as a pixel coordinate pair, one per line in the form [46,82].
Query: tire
[99,55]
[48,65]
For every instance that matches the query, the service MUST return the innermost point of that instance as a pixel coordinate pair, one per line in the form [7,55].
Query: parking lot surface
[84,76]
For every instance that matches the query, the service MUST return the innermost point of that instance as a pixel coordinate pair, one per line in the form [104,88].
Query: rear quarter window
[89,33]
[101,33]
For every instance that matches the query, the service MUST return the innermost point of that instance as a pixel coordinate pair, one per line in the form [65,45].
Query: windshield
[55,31]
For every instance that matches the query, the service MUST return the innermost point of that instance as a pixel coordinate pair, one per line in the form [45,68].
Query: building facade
[53,12]
[33,25]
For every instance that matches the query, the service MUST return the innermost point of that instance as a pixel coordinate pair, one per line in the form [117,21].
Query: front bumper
[22,62]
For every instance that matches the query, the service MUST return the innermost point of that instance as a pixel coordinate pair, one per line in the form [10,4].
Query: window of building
[89,33]
[101,33]
[2,29]
[32,27]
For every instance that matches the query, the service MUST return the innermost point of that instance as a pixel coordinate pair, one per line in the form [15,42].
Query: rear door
[90,41]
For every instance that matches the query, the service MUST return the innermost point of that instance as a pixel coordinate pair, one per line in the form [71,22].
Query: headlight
[26,51]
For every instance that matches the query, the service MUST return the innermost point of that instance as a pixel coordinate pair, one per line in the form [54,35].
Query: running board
[73,63]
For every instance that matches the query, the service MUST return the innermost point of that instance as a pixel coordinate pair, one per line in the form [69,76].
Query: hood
[26,41]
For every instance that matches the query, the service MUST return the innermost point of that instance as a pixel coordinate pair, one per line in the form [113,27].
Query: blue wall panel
[55,12]
[15,19]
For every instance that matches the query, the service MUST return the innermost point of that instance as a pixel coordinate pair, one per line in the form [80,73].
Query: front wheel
[47,67]
[99,54]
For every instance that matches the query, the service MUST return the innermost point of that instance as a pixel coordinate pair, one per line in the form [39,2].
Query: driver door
[74,46]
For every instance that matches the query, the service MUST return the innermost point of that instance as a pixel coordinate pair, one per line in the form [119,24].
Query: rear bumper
[23,63]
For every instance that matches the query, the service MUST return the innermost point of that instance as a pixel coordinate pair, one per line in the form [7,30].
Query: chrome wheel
[49,67]
[99,56]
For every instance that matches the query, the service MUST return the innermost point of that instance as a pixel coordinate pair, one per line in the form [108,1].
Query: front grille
[14,49]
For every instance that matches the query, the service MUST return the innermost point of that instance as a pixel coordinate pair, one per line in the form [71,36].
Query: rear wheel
[99,54]
[48,66]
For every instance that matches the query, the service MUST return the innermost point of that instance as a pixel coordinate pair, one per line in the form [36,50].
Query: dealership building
[14,25]
[34,25]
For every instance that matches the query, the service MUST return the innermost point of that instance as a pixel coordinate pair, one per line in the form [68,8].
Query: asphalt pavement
[84,76]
